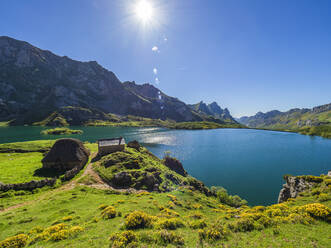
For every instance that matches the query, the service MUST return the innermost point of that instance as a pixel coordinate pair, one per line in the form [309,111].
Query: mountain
[213,110]
[34,83]
[291,120]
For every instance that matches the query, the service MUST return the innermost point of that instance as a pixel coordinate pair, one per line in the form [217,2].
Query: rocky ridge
[35,83]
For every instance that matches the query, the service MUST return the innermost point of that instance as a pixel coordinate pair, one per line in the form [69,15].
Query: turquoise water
[249,163]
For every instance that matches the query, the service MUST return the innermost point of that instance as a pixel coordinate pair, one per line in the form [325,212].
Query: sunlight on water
[250,163]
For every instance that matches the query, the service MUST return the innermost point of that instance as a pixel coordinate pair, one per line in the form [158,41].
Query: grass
[82,204]
[83,216]
[4,123]
[61,131]
[19,167]
[138,165]
[21,160]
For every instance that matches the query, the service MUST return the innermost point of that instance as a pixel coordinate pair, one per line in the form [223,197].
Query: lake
[246,162]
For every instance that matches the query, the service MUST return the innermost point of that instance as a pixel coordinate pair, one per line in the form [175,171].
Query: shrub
[225,198]
[242,225]
[146,237]
[143,193]
[60,235]
[55,228]
[197,206]
[315,191]
[168,213]
[313,179]
[17,241]
[198,224]
[213,233]
[67,218]
[56,233]
[138,219]
[171,205]
[75,229]
[167,237]
[317,210]
[108,213]
[196,215]
[102,206]
[36,230]
[302,218]
[324,197]
[122,239]
[171,224]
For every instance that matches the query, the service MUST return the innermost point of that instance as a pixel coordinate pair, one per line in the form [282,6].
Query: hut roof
[111,142]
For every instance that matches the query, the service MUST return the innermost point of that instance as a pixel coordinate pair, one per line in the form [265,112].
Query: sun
[144,11]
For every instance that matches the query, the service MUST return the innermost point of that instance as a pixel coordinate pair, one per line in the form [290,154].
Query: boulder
[134,144]
[122,179]
[175,165]
[66,154]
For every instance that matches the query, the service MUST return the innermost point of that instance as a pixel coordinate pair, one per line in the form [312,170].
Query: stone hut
[66,154]
[106,146]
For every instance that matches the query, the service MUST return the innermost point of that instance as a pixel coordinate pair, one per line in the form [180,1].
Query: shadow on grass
[43,172]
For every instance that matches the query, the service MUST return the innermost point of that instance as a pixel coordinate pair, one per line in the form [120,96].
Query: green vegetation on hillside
[88,117]
[203,125]
[145,122]
[55,119]
[85,214]
[314,122]
[61,131]
[4,123]
[324,131]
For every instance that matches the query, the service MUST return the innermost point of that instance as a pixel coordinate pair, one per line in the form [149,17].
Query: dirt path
[88,171]
[70,185]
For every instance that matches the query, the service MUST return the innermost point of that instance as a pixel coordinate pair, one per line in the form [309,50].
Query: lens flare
[144,11]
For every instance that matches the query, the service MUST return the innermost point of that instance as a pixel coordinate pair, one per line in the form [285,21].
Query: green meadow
[86,213]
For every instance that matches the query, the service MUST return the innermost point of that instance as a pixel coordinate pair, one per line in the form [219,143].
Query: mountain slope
[213,110]
[34,83]
[308,121]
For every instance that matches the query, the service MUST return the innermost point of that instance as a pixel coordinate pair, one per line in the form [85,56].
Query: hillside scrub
[324,131]
[190,215]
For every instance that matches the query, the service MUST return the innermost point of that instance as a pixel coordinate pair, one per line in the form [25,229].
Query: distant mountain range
[293,119]
[36,84]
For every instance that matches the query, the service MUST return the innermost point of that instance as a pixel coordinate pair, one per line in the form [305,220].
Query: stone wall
[28,185]
[70,174]
[104,150]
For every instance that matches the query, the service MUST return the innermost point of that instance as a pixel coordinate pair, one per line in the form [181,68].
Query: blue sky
[247,55]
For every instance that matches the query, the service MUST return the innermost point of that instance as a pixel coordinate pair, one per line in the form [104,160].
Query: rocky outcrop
[134,144]
[292,187]
[66,154]
[212,110]
[175,165]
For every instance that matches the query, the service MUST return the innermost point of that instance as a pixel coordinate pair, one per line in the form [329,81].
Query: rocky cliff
[212,110]
[295,185]
[34,83]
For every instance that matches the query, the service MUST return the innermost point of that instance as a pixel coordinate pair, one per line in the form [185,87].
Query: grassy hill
[316,121]
[89,212]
